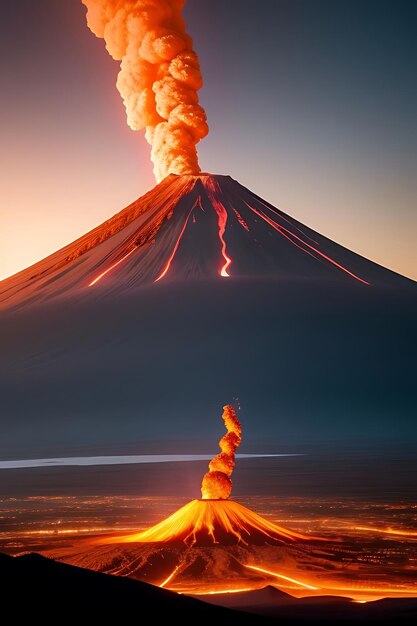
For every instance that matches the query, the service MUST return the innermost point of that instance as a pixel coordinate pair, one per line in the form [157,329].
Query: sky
[311,104]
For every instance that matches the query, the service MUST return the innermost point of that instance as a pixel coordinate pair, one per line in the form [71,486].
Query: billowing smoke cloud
[159,76]
[216,483]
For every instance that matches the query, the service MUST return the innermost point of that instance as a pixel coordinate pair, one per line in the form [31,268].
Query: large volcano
[187,228]
[197,291]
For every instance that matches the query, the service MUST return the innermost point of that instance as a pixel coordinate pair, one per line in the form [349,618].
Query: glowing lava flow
[240,219]
[177,243]
[112,267]
[288,234]
[220,592]
[208,522]
[170,577]
[222,220]
[281,576]
[213,192]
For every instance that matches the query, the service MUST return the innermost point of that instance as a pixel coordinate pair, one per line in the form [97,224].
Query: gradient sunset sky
[311,104]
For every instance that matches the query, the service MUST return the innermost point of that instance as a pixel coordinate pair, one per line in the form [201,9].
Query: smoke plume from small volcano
[217,484]
[159,76]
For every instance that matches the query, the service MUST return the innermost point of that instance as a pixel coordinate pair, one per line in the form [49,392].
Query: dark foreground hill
[51,592]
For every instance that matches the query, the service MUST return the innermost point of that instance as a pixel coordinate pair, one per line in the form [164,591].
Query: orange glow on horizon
[355,594]
[385,591]
[386,531]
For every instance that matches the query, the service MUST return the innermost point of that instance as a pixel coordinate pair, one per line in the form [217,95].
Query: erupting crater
[209,544]
[208,522]
[214,519]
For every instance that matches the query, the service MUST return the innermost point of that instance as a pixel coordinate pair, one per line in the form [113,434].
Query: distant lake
[129,459]
[383,474]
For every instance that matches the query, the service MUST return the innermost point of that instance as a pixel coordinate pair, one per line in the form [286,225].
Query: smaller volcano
[208,522]
[209,544]
[215,545]
[215,519]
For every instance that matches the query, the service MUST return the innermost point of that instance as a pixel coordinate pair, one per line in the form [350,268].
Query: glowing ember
[217,484]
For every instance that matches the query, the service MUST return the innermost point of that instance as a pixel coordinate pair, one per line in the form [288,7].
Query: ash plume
[159,76]
[216,484]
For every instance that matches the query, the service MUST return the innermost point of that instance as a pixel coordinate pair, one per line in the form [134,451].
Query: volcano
[217,545]
[198,268]
[210,540]
[187,228]
[208,522]
[215,519]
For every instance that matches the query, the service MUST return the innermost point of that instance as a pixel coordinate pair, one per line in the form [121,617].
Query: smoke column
[216,483]
[159,76]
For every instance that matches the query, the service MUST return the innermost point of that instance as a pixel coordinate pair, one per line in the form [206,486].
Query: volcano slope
[210,547]
[203,547]
[199,291]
